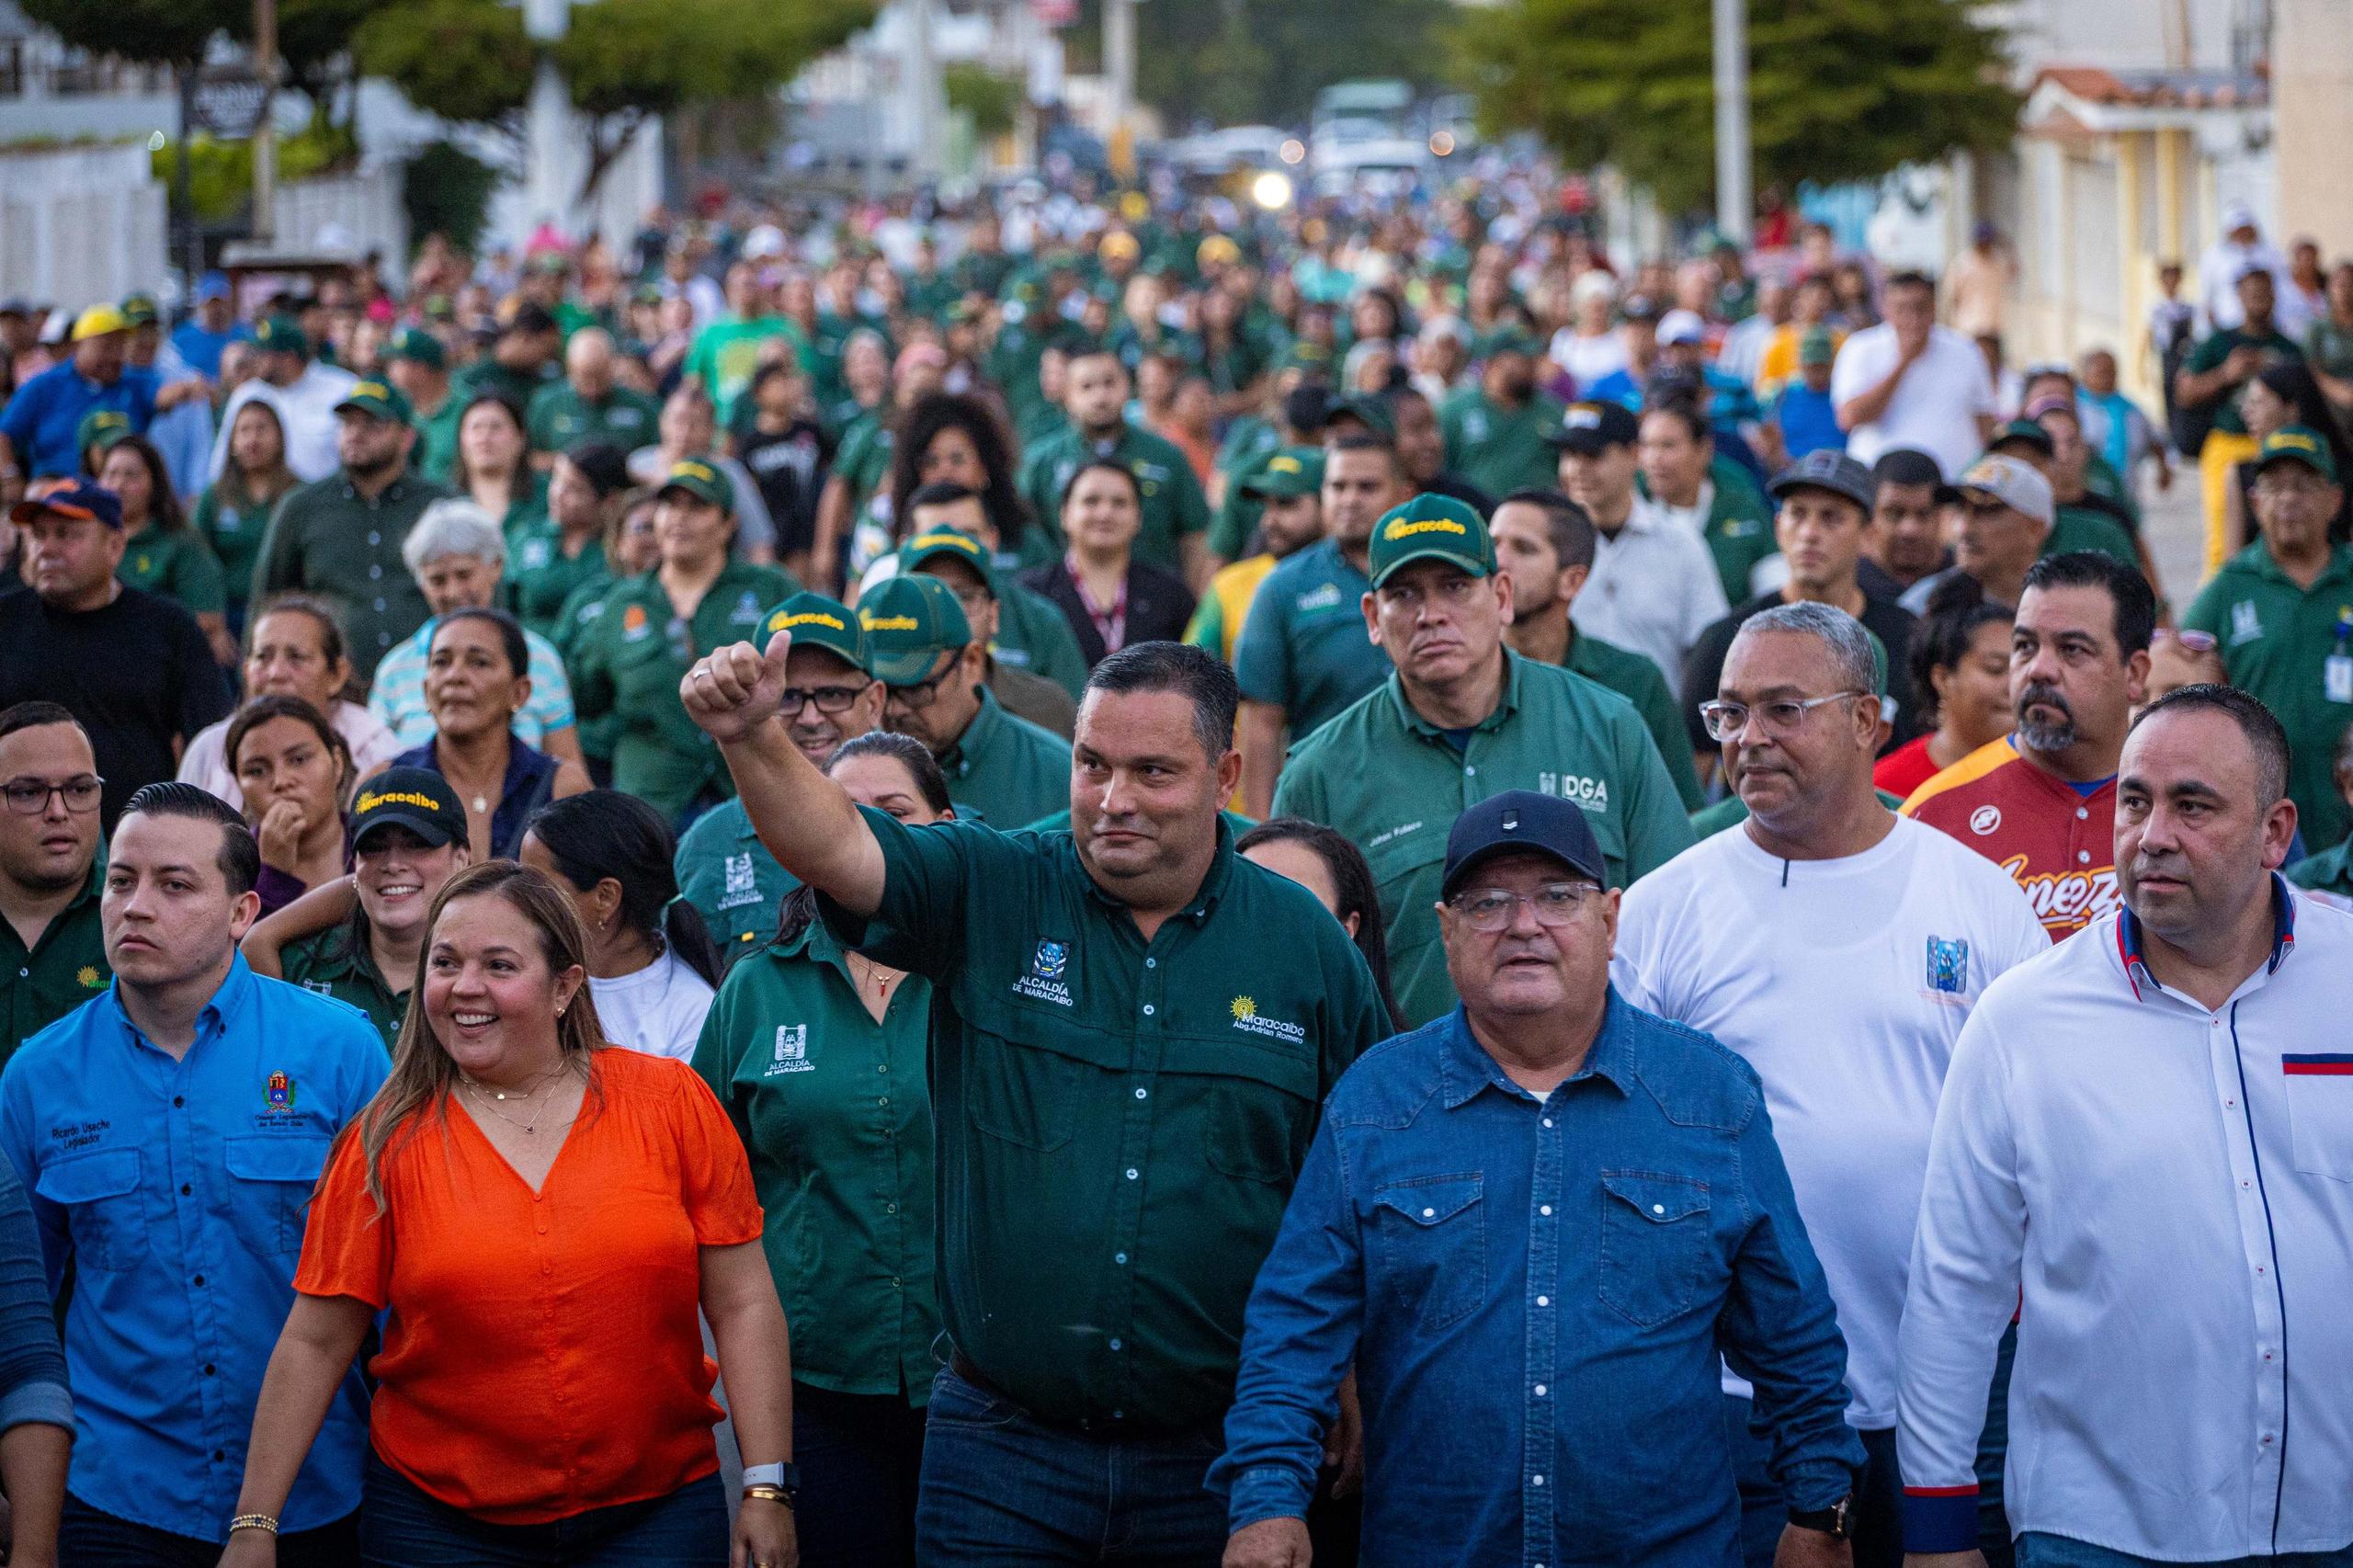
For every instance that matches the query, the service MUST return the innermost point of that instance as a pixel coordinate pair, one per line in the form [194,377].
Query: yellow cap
[98,321]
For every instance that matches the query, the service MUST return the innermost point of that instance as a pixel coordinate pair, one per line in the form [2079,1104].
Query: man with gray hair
[1839,949]
[457,557]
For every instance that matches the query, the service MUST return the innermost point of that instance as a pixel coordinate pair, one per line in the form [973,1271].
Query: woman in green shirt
[550,558]
[819,1056]
[162,555]
[494,465]
[234,512]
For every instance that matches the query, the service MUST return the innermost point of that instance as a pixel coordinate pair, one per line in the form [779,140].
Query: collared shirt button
[1119,1258]
[2082,856]
[375,537]
[208,1368]
[883,1101]
[198,1281]
[1115,1345]
[1429,1213]
[1537,1480]
[1147,1009]
[185,1189]
[1545,1210]
[1141,1094]
[1547,1122]
[2082,813]
[890,1209]
[882,1067]
[1470,772]
[1132,1172]
[1539,1390]
[1658,1208]
[1152,963]
[1543,1301]
[380,604]
[374,573]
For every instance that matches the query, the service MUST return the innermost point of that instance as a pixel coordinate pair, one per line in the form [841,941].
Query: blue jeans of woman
[402,1526]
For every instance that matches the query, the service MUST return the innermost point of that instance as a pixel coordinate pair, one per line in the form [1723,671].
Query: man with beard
[2042,800]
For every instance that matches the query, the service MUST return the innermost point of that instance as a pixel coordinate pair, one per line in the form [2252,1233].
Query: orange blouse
[542,1355]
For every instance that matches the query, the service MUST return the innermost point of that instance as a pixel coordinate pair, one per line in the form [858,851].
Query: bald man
[589,404]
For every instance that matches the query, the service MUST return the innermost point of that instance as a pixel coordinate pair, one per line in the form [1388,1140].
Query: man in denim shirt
[1532,1227]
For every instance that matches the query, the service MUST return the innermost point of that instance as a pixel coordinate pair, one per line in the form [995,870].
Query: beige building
[2311,111]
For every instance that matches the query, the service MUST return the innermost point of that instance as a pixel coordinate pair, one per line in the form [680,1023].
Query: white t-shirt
[659,1010]
[1587,359]
[1844,983]
[1653,588]
[1935,406]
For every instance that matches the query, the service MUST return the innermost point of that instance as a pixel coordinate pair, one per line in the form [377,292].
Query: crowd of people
[1111,880]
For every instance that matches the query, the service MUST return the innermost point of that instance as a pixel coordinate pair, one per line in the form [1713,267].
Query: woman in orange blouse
[539,1217]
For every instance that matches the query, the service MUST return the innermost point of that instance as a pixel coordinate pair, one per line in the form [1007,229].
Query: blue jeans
[1001,1489]
[860,1458]
[88,1539]
[2039,1550]
[402,1526]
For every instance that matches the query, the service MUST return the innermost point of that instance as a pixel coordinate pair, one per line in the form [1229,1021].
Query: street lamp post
[1734,203]
[265,129]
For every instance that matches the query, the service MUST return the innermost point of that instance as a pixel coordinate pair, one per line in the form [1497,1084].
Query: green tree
[1235,62]
[148,32]
[992,101]
[1838,89]
[468,62]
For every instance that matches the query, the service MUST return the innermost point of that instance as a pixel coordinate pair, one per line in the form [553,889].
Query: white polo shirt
[1653,589]
[1934,407]
[2172,1187]
[1844,983]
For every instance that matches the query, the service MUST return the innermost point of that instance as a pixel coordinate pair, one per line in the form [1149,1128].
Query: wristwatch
[785,1478]
[1836,1521]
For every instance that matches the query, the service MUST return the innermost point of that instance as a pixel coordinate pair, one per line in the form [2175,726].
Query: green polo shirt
[64,967]
[541,577]
[1119,1122]
[559,417]
[178,564]
[1732,811]
[329,539]
[1394,783]
[2081,528]
[1008,769]
[2212,349]
[233,523]
[834,1111]
[1033,635]
[1174,505]
[1637,679]
[628,661]
[1501,449]
[1740,527]
[2277,639]
[730,879]
[864,460]
[435,455]
[2331,870]
[1303,646]
[337,963]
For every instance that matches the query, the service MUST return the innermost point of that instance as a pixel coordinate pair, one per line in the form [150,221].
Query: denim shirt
[175,1191]
[1535,1294]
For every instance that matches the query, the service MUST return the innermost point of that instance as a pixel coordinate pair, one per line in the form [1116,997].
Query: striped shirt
[398,694]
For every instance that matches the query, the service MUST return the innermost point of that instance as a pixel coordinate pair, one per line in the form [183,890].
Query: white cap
[2236,216]
[1681,326]
[764,241]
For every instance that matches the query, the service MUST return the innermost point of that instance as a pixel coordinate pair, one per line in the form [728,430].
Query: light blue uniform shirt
[397,695]
[176,1192]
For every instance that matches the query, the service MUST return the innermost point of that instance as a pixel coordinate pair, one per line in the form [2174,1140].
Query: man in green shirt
[589,404]
[2282,610]
[520,363]
[341,537]
[53,955]
[1176,512]
[415,362]
[921,647]
[941,549]
[1545,544]
[1495,430]
[726,352]
[723,870]
[1463,718]
[2331,870]
[1132,1029]
[2209,381]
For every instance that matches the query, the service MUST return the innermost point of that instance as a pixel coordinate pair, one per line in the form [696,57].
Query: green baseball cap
[418,347]
[1305,355]
[1369,411]
[1817,346]
[706,482]
[1295,471]
[910,620]
[1505,340]
[281,335]
[1431,527]
[2298,444]
[816,621]
[101,427]
[140,309]
[381,399]
[933,544]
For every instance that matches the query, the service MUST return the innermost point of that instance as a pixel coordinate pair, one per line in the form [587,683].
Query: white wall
[80,224]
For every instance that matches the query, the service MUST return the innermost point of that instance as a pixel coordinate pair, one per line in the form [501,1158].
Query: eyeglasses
[1490,910]
[920,695]
[2304,486]
[1781,718]
[29,797]
[828,698]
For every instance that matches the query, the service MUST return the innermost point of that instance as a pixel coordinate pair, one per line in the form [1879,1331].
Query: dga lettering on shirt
[1044,981]
[1590,794]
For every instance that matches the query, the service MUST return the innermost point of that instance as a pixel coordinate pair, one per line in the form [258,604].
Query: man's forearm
[1866,406]
[806,821]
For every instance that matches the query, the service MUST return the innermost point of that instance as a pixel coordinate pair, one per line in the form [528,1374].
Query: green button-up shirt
[1033,635]
[730,879]
[329,539]
[2330,871]
[1008,769]
[1303,646]
[1119,1122]
[627,663]
[1174,505]
[1394,783]
[2277,641]
[561,417]
[541,578]
[1501,449]
[1638,680]
[66,967]
[335,962]
[178,564]
[836,1112]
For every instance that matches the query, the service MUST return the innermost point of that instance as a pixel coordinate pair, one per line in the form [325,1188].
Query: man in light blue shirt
[170,1130]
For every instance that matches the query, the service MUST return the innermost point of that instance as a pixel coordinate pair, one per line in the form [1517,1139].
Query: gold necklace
[882,977]
[487,1097]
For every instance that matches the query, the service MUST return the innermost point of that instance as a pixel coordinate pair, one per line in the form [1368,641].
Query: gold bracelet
[254,1522]
[770,1494]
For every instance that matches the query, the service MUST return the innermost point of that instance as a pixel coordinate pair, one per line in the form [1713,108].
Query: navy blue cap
[1521,819]
[1829,469]
[1589,428]
[71,498]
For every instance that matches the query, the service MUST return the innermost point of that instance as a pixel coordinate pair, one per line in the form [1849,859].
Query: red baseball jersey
[2058,844]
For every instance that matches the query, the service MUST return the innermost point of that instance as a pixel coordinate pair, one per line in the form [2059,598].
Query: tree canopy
[1238,61]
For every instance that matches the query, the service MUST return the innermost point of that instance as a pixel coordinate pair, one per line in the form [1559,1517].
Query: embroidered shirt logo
[1249,1020]
[279,1092]
[1044,981]
[743,882]
[2247,623]
[790,1051]
[1948,963]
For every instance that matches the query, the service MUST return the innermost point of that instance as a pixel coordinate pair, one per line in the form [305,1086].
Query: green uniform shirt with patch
[2212,349]
[2081,528]
[1119,1122]
[64,967]
[1740,527]
[1034,635]
[1637,679]
[1303,647]
[2277,641]
[541,579]
[1174,505]
[572,622]
[328,539]
[627,663]
[834,1111]
[1008,769]
[333,962]
[2331,870]
[178,564]
[1394,783]
[232,524]
[1501,449]
[559,417]
[435,455]
[730,879]
[864,460]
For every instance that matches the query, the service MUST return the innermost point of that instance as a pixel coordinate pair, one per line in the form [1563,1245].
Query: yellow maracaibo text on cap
[781,622]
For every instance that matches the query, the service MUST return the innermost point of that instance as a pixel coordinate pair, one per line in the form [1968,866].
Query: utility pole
[930,97]
[266,128]
[1119,65]
[548,128]
[1734,204]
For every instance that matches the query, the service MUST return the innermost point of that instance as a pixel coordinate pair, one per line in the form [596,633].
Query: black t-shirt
[138,674]
[790,467]
[1703,668]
